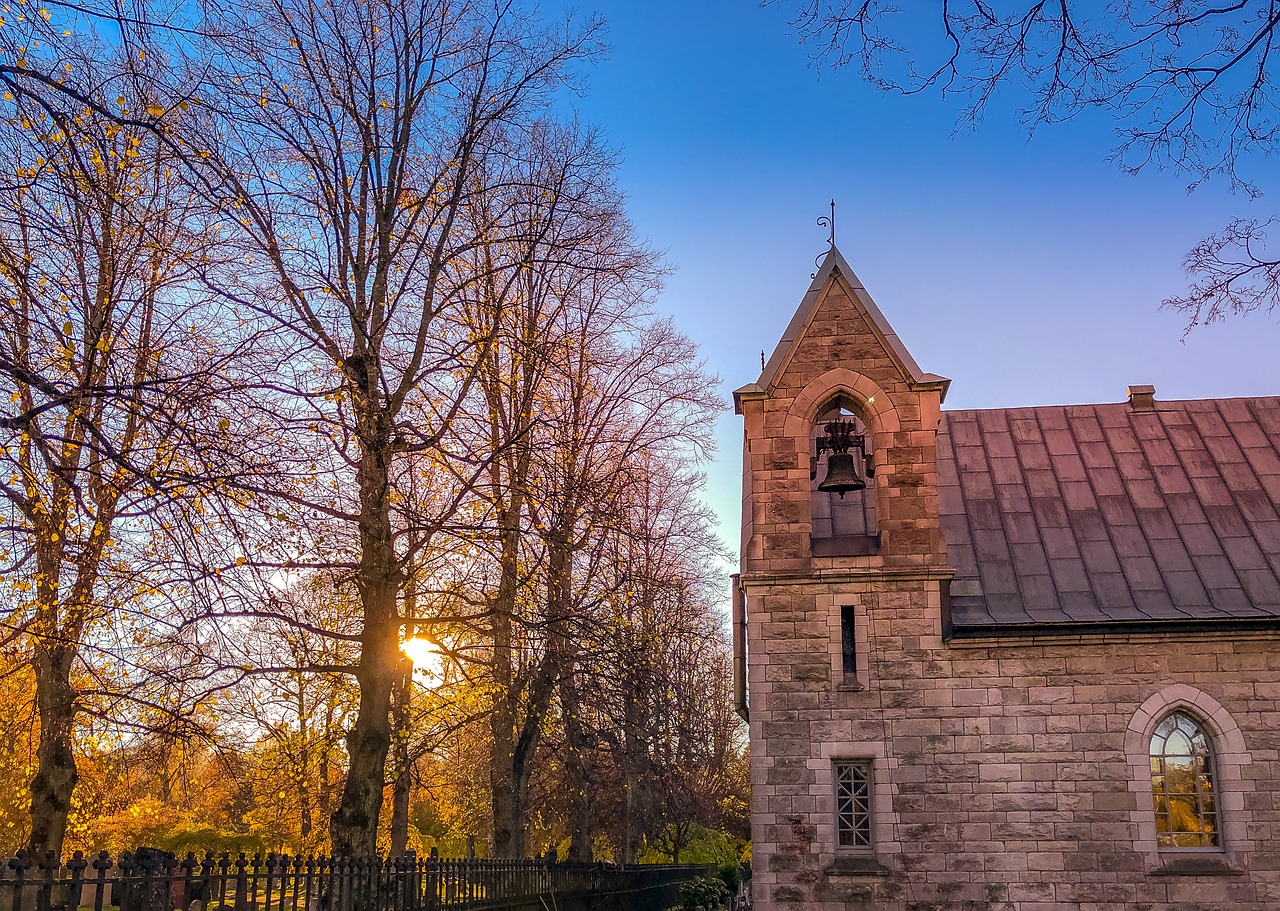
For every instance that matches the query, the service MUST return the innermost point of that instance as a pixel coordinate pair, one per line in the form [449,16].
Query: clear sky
[1029,272]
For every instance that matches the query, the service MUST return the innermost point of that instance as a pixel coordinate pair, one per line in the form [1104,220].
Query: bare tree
[298,703]
[98,352]
[626,398]
[1191,86]
[570,249]
[653,657]
[580,380]
[346,144]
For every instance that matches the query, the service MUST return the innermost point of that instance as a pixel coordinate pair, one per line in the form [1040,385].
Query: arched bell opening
[842,485]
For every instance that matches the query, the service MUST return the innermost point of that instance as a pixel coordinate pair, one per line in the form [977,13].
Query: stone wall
[1005,771]
[1007,775]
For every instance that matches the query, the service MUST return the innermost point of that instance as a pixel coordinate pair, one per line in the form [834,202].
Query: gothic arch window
[1168,813]
[1183,783]
[841,525]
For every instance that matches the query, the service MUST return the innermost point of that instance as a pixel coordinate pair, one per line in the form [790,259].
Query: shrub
[731,876]
[705,892]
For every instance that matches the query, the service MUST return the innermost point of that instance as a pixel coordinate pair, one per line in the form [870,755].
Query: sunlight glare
[425,656]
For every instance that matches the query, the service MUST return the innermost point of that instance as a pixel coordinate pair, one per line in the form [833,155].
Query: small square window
[853,804]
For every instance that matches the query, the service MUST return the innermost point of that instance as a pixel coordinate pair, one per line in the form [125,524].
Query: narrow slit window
[853,804]
[848,641]
[1182,784]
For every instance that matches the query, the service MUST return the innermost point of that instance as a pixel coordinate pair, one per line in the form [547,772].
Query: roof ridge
[1159,404]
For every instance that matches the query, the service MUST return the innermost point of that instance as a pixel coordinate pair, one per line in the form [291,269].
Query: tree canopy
[325,332]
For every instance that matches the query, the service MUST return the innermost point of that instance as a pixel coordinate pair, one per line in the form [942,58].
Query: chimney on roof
[1142,398]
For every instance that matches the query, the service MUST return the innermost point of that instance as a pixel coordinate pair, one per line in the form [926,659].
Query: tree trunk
[400,766]
[325,798]
[513,761]
[576,769]
[564,660]
[304,780]
[509,809]
[630,770]
[354,828]
[508,816]
[56,774]
[507,793]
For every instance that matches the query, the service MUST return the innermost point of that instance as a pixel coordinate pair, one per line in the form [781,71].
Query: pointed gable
[840,346]
[838,307]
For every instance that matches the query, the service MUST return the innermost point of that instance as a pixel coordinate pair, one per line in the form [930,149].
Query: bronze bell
[842,474]
[846,470]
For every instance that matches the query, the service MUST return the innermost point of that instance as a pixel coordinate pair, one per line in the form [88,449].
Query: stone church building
[1033,664]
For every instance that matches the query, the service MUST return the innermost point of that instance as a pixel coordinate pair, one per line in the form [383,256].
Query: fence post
[188,894]
[208,880]
[49,864]
[242,883]
[101,864]
[309,880]
[75,894]
[19,864]
[253,880]
[224,873]
[432,879]
[271,878]
[341,868]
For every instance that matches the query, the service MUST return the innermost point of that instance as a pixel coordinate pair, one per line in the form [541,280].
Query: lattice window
[853,803]
[1182,783]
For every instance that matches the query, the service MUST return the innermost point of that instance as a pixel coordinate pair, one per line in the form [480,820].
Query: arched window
[842,524]
[1182,783]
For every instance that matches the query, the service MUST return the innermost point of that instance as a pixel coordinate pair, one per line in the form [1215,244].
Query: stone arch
[1230,756]
[873,404]
[865,398]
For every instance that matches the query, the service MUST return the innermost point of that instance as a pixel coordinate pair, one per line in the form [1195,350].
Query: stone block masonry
[993,774]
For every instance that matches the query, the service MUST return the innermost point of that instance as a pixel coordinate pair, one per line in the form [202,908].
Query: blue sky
[1030,272]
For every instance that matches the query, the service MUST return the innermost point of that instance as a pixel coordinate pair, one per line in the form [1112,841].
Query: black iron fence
[150,880]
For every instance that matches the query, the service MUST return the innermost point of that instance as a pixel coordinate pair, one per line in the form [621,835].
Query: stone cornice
[1022,633]
[859,574]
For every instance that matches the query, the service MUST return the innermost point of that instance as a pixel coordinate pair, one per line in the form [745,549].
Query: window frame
[1160,773]
[1231,757]
[838,607]
[823,539]
[849,640]
[868,765]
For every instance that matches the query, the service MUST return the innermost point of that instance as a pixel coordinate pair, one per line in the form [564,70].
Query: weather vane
[828,222]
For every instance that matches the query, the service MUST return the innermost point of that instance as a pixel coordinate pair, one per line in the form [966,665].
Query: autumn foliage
[326,348]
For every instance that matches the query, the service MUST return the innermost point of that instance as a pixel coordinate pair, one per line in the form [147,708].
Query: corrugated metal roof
[1102,513]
